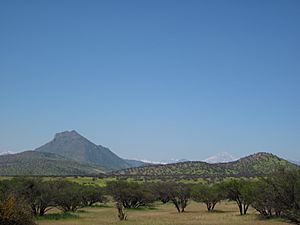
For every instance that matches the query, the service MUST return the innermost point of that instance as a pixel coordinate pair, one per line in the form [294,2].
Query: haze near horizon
[152,80]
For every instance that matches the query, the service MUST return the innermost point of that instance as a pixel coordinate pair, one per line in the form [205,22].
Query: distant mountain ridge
[295,162]
[164,162]
[221,157]
[72,145]
[69,153]
[258,164]
[7,153]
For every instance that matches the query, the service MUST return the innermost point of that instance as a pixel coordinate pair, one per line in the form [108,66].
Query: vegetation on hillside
[43,164]
[259,164]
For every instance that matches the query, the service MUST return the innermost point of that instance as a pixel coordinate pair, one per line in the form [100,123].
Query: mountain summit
[72,145]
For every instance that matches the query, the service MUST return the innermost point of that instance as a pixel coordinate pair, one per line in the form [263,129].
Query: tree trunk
[34,211]
[213,206]
[208,206]
[241,209]
[42,211]
[245,208]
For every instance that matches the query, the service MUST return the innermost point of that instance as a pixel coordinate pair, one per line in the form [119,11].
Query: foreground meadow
[226,214]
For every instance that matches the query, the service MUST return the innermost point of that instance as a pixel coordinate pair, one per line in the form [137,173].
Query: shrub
[15,212]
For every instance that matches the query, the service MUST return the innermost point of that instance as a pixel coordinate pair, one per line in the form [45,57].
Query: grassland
[226,214]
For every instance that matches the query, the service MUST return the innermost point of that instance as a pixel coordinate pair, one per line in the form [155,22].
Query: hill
[254,165]
[135,163]
[73,146]
[42,163]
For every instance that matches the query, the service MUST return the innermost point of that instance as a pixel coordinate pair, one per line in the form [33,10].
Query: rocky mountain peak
[67,134]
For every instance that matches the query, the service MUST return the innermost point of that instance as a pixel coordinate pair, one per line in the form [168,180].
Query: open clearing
[226,214]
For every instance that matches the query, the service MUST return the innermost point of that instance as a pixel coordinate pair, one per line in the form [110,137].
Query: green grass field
[226,214]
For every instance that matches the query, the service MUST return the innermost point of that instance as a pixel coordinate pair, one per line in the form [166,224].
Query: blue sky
[152,79]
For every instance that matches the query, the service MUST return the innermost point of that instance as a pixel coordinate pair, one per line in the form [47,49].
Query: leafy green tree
[92,194]
[286,185]
[162,191]
[36,192]
[240,191]
[210,195]
[177,193]
[180,196]
[68,195]
[266,199]
[130,194]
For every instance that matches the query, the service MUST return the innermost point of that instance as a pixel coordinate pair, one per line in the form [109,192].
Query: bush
[15,212]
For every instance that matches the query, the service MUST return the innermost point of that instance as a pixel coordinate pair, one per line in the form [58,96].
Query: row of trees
[21,199]
[277,195]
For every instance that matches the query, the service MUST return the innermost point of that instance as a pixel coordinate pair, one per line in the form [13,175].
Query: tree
[68,195]
[36,192]
[163,192]
[92,194]
[130,194]
[240,191]
[210,195]
[286,185]
[265,199]
[178,193]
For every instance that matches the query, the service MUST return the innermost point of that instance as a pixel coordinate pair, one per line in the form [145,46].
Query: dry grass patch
[196,214]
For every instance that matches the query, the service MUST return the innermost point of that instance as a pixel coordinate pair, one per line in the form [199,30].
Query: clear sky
[152,79]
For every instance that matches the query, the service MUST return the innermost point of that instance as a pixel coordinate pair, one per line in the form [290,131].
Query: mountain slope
[135,163]
[253,165]
[40,163]
[73,146]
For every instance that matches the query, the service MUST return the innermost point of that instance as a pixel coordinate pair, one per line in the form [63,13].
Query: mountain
[42,163]
[254,165]
[222,157]
[73,146]
[295,162]
[135,163]
[164,162]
